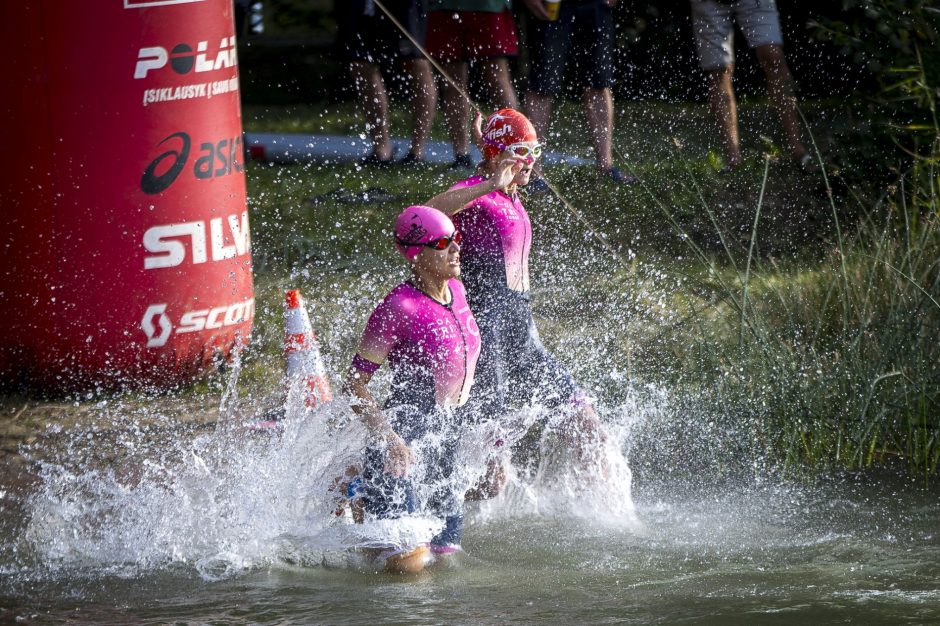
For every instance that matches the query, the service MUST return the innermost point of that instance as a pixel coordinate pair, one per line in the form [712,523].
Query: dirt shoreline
[42,429]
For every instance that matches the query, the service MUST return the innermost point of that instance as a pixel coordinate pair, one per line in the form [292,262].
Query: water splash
[234,499]
[560,483]
[221,502]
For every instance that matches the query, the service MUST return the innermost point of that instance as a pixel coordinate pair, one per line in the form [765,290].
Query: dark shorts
[388,498]
[374,38]
[454,36]
[514,368]
[589,24]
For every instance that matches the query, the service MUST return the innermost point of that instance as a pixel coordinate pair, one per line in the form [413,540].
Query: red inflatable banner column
[125,243]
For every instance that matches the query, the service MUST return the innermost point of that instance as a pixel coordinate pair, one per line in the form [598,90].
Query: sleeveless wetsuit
[432,350]
[514,366]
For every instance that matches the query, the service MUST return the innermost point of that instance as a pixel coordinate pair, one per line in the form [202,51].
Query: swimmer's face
[525,153]
[444,263]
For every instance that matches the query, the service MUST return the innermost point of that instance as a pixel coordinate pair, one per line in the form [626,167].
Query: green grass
[817,341]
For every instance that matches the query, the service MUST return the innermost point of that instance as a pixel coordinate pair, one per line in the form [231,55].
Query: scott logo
[182,59]
[193,321]
[216,158]
[156,312]
[167,243]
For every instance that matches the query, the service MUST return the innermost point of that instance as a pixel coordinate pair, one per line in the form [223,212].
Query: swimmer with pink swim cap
[515,368]
[424,330]
[418,227]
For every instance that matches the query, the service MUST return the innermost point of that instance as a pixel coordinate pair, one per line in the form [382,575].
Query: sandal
[411,160]
[375,161]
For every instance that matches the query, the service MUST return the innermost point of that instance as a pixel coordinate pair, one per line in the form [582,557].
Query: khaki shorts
[713,24]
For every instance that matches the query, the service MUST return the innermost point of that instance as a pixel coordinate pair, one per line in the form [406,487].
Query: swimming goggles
[444,242]
[521,150]
[436,244]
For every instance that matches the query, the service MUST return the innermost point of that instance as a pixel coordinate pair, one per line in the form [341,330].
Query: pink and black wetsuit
[494,258]
[497,236]
[432,348]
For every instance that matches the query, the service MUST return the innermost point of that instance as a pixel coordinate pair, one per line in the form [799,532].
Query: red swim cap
[504,128]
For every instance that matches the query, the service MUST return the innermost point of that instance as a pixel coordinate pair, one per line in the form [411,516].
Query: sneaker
[537,186]
[374,161]
[411,160]
[619,178]
[461,162]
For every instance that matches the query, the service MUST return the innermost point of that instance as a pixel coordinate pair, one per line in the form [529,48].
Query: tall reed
[840,360]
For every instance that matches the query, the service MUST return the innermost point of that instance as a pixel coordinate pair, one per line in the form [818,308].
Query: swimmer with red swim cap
[425,332]
[515,369]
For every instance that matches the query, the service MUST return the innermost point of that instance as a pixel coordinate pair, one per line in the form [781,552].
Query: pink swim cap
[417,225]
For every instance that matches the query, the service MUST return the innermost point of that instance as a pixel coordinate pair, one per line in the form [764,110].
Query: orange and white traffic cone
[302,351]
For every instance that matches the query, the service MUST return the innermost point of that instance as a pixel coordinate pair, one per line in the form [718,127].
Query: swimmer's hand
[397,456]
[506,171]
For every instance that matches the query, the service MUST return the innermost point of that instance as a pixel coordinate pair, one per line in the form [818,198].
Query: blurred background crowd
[529,54]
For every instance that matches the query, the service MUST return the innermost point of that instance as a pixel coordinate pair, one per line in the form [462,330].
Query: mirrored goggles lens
[444,242]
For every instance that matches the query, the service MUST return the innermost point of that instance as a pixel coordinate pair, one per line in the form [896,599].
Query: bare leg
[490,484]
[539,108]
[424,101]
[724,109]
[586,435]
[780,88]
[495,73]
[457,108]
[599,108]
[374,103]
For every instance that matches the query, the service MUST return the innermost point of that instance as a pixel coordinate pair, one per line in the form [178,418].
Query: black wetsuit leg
[514,367]
[387,497]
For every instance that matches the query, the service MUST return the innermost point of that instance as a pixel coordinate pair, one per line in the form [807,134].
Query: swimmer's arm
[365,405]
[398,455]
[454,201]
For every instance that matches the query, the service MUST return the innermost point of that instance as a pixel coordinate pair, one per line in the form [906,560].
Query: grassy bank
[836,362]
[799,311]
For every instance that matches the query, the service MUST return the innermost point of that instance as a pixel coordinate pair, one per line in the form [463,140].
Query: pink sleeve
[469,182]
[381,334]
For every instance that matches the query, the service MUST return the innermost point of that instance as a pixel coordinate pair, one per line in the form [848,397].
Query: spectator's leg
[780,88]
[423,101]
[599,108]
[374,103]
[539,108]
[457,108]
[495,73]
[724,108]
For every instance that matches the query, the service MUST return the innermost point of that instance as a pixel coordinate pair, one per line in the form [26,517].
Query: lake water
[223,527]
